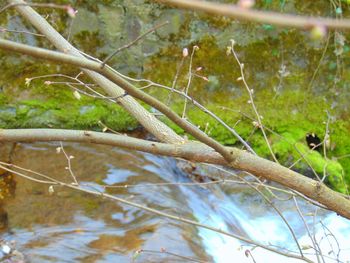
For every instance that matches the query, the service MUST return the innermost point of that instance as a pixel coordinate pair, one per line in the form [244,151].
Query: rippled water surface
[71,226]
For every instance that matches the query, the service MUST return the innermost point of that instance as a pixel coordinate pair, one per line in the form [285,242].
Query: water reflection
[70,226]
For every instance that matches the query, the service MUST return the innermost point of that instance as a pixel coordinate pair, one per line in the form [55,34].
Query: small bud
[246,3]
[77,95]
[239,79]
[249,101]
[47,82]
[206,79]
[196,47]
[70,11]
[104,129]
[27,81]
[233,42]
[228,50]
[198,69]
[51,190]
[58,150]
[71,157]
[318,32]
[185,52]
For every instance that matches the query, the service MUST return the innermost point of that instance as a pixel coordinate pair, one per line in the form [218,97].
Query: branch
[147,120]
[110,74]
[195,152]
[246,14]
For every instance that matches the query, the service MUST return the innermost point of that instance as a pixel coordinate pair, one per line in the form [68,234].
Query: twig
[189,80]
[251,99]
[133,42]
[313,240]
[173,85]
[2,29]
[69,167]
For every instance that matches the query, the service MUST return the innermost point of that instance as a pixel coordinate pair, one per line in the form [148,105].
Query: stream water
[69,226]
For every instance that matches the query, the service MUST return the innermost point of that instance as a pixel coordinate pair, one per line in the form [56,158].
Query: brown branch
[128,87]
[199,153]
[147,120]
[246,14]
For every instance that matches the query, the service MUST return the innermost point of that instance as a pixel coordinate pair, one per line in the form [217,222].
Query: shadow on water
[71,226]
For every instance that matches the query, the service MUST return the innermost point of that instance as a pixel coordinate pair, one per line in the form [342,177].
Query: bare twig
[313,240]
[188,81]
[251,100]
[2,29]
[133,42]
[69,161]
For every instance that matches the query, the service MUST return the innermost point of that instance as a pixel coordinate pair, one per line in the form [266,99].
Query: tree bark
[147,120]
[198,152]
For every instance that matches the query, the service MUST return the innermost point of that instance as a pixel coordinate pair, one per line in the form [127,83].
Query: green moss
[285,116]
[75,115]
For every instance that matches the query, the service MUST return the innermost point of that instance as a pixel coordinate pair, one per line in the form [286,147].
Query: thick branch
[246,14]
[195,152]
[147,120]
[129,88]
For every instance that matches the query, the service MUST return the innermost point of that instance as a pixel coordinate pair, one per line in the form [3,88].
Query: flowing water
[70,226]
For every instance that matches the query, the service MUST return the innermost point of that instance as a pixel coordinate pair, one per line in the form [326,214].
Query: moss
[290,126]
[76,115]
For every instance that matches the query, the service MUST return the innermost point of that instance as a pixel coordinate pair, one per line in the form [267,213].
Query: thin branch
[189,80]
[246,14]
[2,29]
[69,161]
[251,99]
[133,42]
[316,247]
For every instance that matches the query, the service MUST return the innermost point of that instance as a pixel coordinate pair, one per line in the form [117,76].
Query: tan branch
[246,14]
[110,74]
[147,120]
[199,153]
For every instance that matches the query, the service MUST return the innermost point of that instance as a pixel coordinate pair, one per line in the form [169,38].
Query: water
[69,226]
